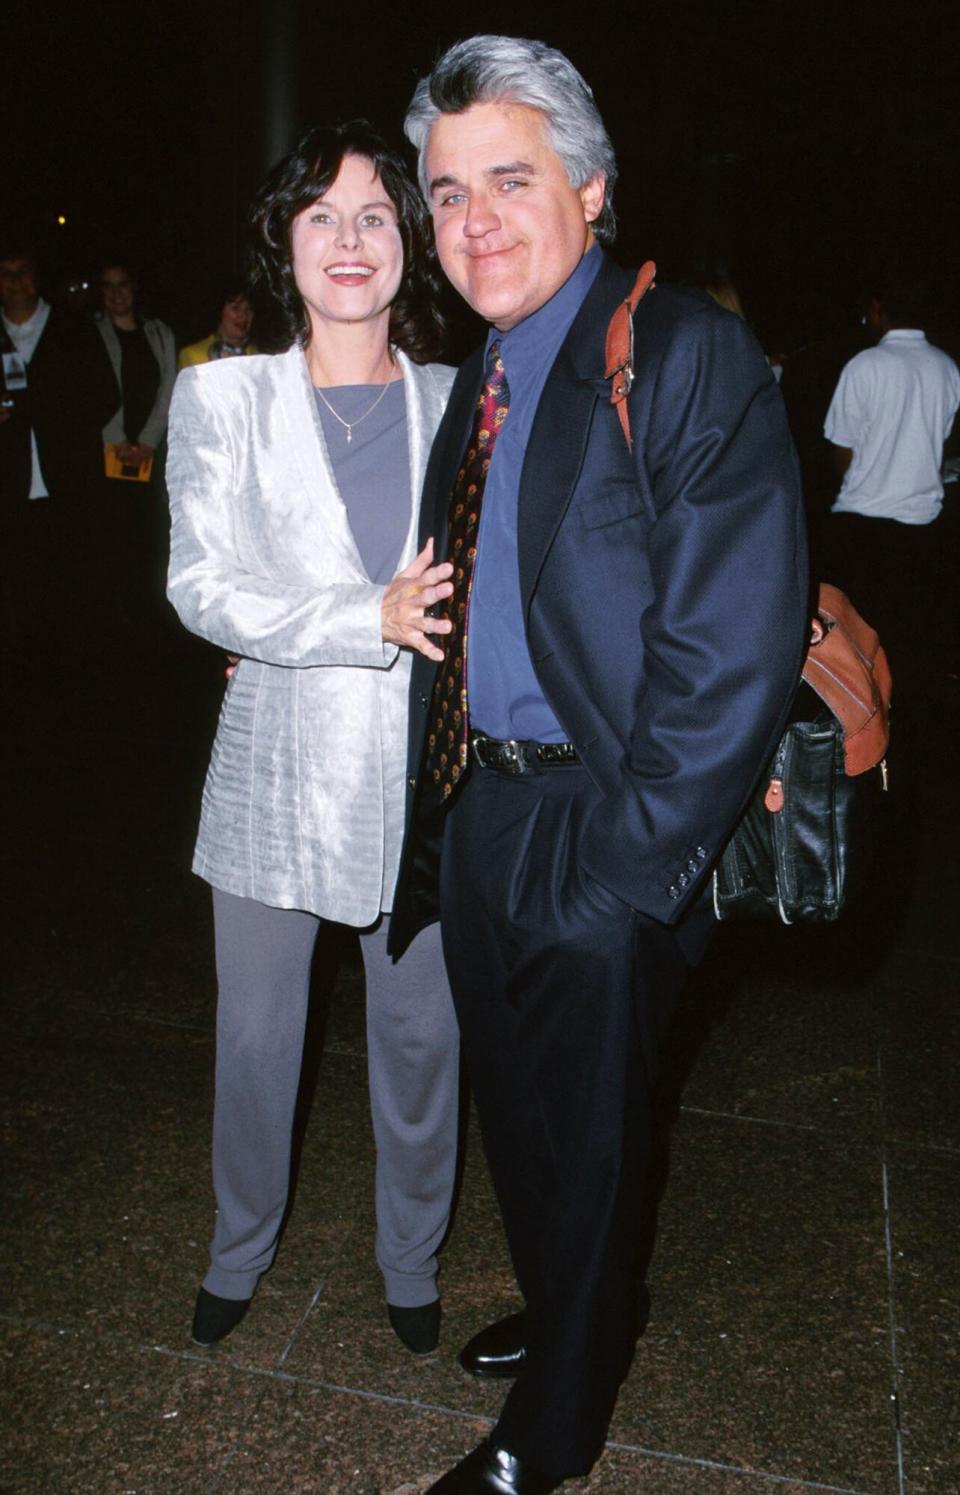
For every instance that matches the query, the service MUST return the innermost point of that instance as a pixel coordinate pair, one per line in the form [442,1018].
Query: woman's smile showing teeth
[350,273]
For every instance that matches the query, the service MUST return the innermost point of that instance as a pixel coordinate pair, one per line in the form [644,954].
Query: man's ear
[592,195]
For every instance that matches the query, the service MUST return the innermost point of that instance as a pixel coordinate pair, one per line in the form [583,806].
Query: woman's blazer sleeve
[215,582]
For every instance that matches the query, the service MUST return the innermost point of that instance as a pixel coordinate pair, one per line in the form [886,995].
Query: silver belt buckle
[489,752]
[512,756]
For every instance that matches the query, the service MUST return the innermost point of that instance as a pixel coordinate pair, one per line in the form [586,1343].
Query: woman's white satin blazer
[304,799]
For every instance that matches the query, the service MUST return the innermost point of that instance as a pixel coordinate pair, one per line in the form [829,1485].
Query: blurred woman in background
[127,534]
[143,356]
[234,315]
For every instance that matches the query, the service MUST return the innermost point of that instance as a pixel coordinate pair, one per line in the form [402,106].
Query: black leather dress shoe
[498,1351]
[214,1318]
[490,1470]
[417,1328]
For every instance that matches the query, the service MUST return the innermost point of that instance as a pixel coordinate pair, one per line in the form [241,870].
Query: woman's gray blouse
[378,511]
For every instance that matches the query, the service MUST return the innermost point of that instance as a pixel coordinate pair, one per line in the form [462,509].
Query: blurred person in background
[294,486]
[143,357]
[234,315]
[724,293]
[886,544]
[722,290]
[131,549]
[56,393]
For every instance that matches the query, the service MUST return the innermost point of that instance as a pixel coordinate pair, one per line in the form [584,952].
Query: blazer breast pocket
[615,503]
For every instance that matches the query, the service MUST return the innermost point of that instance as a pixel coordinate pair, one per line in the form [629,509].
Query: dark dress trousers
[664,596]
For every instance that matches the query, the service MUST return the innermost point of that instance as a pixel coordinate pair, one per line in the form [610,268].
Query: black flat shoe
[490,1470]
[214,1318]
[417,1328]
[498,1351]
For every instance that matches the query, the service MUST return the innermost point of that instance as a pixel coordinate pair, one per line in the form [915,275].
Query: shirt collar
[525,347]
[32,324]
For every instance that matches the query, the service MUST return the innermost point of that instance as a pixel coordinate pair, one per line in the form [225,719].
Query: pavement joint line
[416,1405]
[793,1126]
[223,1366]
[312,1384]
[776,1479]
[896,1370]
[302,1320]
[216,1480]
[942,1149]
[333,1050]
[651,1453]
[132,1015]
[207,1029]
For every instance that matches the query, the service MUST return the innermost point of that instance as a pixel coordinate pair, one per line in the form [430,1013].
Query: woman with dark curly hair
[294,489]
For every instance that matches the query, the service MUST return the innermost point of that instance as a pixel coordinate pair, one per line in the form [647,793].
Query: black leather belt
[512,756]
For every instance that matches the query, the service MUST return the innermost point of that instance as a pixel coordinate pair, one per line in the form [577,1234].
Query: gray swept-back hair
[508,69]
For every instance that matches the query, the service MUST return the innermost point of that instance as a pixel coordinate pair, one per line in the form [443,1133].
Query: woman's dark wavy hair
[295,183]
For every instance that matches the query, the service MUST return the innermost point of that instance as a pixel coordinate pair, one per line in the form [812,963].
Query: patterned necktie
[447,740]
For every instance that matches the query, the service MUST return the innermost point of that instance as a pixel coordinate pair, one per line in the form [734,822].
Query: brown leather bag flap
[848,669]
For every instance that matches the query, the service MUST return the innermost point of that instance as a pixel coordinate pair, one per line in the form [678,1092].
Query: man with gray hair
[633,574]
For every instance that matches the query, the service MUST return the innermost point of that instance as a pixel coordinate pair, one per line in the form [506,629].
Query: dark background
[802,146]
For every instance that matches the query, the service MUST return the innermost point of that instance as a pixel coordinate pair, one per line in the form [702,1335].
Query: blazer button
[424,700]
[693,866]
[701,853]
[411,782]
[673,891]
[682,879]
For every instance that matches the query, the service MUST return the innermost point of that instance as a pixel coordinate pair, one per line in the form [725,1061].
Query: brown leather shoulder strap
[618,364]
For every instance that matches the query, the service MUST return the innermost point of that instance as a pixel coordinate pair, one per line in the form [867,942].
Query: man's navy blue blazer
[664,592]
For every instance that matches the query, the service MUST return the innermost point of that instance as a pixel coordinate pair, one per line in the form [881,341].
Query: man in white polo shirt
[891,412]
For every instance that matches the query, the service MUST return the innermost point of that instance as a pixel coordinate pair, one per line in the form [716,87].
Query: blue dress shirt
[504,694]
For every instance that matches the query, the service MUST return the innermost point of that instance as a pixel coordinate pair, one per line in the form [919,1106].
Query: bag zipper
[775,800]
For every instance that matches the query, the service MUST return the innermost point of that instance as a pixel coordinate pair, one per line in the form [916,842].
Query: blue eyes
[456,199]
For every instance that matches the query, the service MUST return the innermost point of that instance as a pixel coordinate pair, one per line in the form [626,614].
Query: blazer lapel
[448,448]
[417,399]
[310,454]
[424,406]
[561,427]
